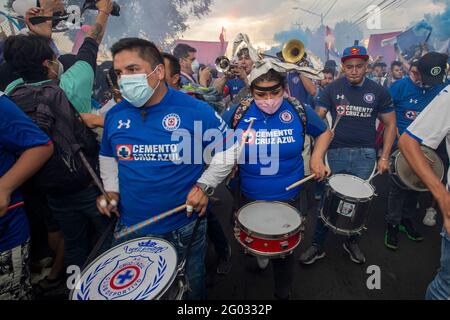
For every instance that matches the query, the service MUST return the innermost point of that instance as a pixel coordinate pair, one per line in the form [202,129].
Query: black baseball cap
[432,68]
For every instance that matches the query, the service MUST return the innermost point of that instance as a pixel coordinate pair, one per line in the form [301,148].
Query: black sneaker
[47,286]
[311,255]
[354,252]
[390,237]
[407,226]
[224,263]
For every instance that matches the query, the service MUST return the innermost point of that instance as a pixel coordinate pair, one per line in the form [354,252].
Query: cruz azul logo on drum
[125,277]
[139,269]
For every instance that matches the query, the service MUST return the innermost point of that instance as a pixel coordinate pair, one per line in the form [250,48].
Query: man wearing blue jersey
[24,149]
[410,99]
[357,102]
[142,164]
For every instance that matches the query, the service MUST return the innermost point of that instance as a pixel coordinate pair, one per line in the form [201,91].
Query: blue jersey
[358,107]
[410,99]
[297,89]
[234,86]
[273,154]
[17,133]
[158,163]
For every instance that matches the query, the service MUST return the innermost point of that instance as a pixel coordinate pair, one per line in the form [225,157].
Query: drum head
[409,178]
[269,218]
[140,269]
[351,186]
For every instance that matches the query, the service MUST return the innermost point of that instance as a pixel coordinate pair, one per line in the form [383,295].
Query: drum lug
[248,240]
[284,245]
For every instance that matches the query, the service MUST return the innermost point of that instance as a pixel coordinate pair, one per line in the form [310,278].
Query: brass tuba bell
[293,51]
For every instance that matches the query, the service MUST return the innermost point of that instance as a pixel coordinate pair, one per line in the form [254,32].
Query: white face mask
[60,69]
[135,88]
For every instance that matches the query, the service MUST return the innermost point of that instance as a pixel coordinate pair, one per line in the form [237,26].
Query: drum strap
[100,242]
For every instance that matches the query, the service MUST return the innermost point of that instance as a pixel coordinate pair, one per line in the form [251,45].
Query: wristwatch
[207,190]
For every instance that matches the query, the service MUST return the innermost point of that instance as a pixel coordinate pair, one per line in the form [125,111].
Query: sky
[261,19]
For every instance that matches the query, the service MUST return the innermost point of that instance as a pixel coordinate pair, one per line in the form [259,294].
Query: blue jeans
[74,214]
[195,268]
[355,161]
[439,288]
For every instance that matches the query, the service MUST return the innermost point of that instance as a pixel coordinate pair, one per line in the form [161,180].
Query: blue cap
[358,52]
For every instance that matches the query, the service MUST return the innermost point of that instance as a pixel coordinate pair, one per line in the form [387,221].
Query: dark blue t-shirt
[273,155]
[17,133]
[410,100]
[359,107]
[160,157]
[298,90]
[234,86]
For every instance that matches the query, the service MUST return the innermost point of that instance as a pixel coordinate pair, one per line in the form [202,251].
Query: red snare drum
[268,229]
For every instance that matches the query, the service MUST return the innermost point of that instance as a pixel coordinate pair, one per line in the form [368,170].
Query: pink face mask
[269,106]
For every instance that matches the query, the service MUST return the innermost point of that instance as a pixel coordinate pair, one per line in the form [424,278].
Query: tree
[158,20]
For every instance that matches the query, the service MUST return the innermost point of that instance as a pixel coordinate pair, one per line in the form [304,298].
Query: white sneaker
[262,262]
[430,217]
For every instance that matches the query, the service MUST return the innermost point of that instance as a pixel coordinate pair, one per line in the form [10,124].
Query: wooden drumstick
[338,118]
[244,138]
[148,222]
[301,182]
[241,147]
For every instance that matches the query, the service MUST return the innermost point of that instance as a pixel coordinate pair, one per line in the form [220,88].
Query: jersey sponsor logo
[369,97]
[436,71]
[340,110]
[126,124]
[286,117]
[274,137]
[124,152]
[410,114]
[171,122]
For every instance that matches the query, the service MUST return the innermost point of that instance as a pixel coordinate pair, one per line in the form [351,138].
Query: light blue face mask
[195,66]
[135,89]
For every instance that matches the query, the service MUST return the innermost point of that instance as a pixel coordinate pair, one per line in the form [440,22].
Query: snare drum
[268,229]
[139,269]
[405,178]
[346,205]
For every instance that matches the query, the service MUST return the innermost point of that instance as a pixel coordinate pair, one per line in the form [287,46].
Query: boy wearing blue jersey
[357,102]
[140,157]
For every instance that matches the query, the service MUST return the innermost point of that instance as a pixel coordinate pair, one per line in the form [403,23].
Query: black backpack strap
[301,112]
[240,112]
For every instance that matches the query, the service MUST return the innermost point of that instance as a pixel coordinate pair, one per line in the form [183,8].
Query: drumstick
[148,222]
[429,159]
[244,138]
[241,147]
[338,118]
[300,182]
[15,206]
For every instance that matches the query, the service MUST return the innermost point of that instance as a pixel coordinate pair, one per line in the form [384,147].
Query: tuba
[293,51]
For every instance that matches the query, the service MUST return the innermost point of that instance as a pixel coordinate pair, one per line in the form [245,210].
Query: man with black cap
[355,103]
[410,99]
